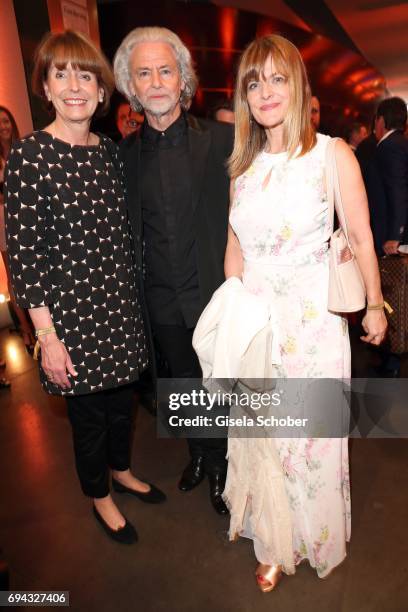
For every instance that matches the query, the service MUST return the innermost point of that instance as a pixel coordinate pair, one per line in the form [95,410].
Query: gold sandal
[268,576]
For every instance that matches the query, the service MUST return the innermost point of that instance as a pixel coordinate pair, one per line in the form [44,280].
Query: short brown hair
[394,112]
[250,137]
[73,48]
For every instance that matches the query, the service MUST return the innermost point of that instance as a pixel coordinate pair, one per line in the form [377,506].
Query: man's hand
[390,247]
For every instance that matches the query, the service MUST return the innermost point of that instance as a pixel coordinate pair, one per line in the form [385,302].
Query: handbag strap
[333,188]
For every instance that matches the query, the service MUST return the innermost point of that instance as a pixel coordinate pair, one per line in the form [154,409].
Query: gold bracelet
[380,307]
[44,331]
[41,332]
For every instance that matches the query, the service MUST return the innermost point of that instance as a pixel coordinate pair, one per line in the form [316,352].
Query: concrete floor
[183,562]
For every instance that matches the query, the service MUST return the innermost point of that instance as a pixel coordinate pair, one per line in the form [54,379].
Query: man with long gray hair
[178,194]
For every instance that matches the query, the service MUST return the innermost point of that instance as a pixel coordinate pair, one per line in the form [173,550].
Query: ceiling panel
[379,28]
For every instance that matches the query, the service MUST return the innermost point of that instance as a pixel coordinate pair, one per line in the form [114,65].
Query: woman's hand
[55,361]
[375,325]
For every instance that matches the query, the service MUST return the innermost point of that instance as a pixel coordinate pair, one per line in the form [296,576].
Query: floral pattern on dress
[283,227]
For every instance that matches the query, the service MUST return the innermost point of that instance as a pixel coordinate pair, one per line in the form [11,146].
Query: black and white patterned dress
[70,250]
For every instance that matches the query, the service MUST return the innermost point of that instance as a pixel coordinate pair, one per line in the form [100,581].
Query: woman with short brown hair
[72,267]
[55,49]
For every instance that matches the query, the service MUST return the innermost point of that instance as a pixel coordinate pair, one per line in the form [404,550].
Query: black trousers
[101,425]
[175,345]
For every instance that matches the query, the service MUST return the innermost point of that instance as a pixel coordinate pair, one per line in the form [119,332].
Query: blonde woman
[278,246]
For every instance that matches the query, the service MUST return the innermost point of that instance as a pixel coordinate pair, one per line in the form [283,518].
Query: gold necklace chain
[54,135]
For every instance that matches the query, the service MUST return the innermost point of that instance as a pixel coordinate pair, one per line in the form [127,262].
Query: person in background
[177,186]
[127,120]
[356,134]
[223,111]
[366,154]
[6,130]
[392,162]
[315,112]
[8,134]
[278,248]
[72,267]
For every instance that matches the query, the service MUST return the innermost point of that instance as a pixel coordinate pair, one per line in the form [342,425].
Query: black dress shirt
[171,277]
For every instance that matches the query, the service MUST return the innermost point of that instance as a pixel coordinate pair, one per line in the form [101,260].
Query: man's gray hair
[154,34]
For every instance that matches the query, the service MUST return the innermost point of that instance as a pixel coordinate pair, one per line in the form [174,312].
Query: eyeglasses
[277,82]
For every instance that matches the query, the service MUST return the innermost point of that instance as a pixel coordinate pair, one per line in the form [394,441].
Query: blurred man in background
[315,113]
[223,111]
[128,120]
[356,134]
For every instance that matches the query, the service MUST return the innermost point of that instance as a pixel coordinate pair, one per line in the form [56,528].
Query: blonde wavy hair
[250,136]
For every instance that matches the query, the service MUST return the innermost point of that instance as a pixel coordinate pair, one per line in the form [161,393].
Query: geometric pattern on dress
[70,249]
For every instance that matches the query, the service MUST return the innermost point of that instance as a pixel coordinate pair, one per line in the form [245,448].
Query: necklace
[53,133]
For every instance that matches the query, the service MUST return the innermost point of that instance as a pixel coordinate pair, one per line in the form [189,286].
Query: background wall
[54,16]
[13,95]
[347,85]
[13,88]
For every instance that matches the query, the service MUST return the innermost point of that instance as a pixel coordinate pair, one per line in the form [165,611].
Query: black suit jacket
[392,157]
[210,144]
[366,154]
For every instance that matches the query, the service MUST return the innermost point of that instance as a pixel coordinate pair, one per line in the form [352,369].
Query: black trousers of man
[175,345]
[101,426]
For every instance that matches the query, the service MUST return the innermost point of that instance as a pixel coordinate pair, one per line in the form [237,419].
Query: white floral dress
[283,227]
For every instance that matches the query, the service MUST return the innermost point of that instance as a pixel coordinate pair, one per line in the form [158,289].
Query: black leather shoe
[125,535]
[217,485]
[192,475]
[154,496]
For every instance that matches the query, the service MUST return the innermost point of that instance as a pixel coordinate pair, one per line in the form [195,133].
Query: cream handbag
[346,286]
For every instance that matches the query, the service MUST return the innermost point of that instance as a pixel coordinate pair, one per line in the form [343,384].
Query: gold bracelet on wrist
[41,332]
[380,307]
[44,331]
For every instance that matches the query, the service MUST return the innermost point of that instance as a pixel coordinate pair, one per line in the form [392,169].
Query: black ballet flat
[154,496]
[125,535]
